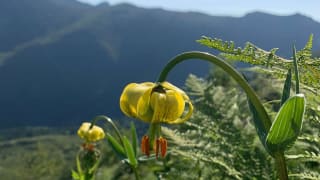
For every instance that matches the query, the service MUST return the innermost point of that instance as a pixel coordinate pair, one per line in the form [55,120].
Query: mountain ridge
[102,7]
[78,69]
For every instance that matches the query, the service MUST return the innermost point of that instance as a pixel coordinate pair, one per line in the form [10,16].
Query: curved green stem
[108,120]
[266,122]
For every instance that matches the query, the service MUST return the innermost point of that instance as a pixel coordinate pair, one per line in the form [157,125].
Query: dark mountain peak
[125,4]
[33,18]
[72,4]
[103,4]
[298,15]
[257,14]
[69,3]
[264,15]
[302,17]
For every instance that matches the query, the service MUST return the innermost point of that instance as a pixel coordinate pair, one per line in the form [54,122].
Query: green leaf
[296,72]
[287,124]
[75,175]
[257,122]
[286,88]
[116,146]
[130,153]
[134,138]
[259,126]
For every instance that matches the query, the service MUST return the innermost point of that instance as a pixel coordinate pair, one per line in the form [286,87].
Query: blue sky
[309,8]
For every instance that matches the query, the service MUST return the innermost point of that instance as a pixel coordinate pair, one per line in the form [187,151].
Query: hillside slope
[77,68]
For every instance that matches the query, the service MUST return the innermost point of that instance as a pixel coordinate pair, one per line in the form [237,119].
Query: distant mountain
[63,62]
[24,20]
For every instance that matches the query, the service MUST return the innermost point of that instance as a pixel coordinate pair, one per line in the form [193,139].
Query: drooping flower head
[90,135]
[155,103]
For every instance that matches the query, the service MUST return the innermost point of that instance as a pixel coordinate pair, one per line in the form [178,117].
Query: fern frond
[307,157]
[218,44]
[309,66]
[306,52]
[196,86]
[250,53]
[176,138]
[212,160]
[309,175]
[309,139]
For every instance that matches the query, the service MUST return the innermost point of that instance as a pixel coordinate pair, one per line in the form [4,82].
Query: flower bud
[90,135]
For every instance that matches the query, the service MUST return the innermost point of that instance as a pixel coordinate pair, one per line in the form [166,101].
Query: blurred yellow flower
[155,103]
[90,135]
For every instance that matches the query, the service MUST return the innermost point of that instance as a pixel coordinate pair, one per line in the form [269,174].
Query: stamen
[156,147]
[145,145]
[163,146]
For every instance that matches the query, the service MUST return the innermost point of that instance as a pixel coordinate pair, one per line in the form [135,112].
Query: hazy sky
[310,8]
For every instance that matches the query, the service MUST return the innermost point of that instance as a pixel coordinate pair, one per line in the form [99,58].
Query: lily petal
[144,110]
[186,117]
[175,105]
[131,95]
[170,86]
[159,105]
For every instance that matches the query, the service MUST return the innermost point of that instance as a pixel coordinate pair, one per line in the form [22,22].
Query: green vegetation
[60,68]
[36,153]
[43,153]
[220,140]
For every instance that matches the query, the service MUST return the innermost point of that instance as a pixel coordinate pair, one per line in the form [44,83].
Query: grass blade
[296,72]
[286,88]
[116,146]
[130,153]
[134,138]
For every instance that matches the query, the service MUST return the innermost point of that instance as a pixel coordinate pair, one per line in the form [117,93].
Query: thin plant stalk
[109,120]
[281,166]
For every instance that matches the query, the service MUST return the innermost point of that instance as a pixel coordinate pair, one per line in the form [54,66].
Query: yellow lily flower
[155,103]
[90,135]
